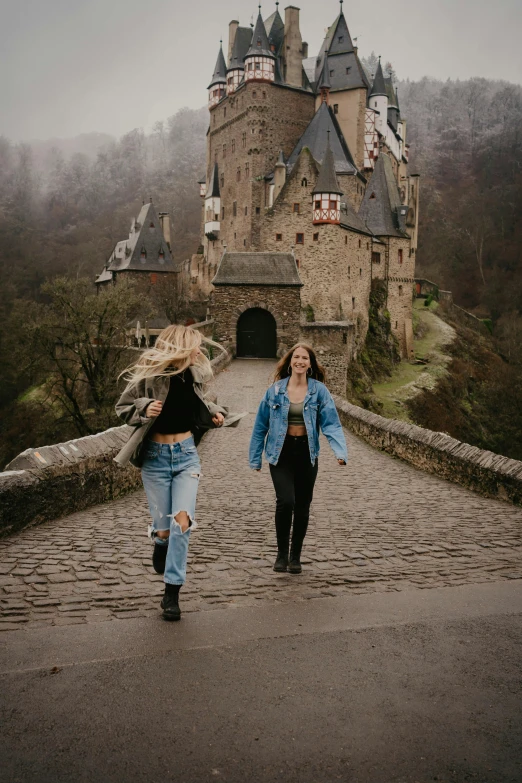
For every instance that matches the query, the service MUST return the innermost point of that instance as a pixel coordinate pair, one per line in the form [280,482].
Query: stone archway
[256,334]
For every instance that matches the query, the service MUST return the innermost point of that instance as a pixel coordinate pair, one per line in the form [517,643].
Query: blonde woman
[165,402]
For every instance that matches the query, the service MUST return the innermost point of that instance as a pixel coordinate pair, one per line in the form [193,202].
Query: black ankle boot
[294,565]
[281,563]
[159,556]
[169,602]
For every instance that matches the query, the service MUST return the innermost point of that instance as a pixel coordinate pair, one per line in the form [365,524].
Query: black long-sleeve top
[179,408]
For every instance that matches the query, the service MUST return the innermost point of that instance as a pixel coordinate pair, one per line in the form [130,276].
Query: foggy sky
[76,66]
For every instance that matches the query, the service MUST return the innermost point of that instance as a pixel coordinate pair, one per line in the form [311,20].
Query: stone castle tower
[306,198]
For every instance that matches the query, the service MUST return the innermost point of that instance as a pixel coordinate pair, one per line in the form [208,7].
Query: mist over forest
[65,203]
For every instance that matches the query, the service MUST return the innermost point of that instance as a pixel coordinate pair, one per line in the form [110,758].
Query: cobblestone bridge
[376,525]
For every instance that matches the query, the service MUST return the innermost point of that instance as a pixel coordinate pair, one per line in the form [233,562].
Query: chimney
[305,50]
[293,48]
[279,175]
[232,30]
[165,226]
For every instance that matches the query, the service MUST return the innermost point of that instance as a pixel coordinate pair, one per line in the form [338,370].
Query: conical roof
[381,203]
[379,85]
[146,249]
[260,46]
[220,71]
[213,186]
[340,38]
[324,81]
[344,68]
[275,30]
[240,48]
[390,92]
[327,179]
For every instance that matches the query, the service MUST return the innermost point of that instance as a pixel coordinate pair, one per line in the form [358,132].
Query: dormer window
[341,38]
[372,195]
[143,255]
[332,72]
[161,257]
[348,69]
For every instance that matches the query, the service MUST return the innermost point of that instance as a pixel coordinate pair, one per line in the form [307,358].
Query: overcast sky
[76,66]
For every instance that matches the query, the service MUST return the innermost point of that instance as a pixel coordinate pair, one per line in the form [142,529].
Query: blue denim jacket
[271,423]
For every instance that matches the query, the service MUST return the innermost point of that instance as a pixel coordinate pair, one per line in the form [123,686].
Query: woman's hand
[153,409]
[341,462]
[218,419]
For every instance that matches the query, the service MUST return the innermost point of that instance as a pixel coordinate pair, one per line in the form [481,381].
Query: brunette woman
[166,403]
[287,426]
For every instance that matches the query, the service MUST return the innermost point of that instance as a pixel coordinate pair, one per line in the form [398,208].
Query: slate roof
[324,81]
[265,269]
[350,219]
[327,181]
[379,86]
[275,30]
[213,186]
[345,69]
[259,45]
[220,71]
[315,138]
[381,202]
[390,92]
[105,276]
[145,235]
[240,48]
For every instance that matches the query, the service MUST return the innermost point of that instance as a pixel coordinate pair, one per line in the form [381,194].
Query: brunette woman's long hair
[282,369]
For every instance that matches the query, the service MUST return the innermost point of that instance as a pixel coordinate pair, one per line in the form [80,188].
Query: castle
[306,197]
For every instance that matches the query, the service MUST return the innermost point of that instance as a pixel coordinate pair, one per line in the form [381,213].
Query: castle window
[244,242]
[247,169]
[143,255]
[367,246]
[341,38]
[345,338]
[316,237]
[400,290]
[234,235]
[224,150]
[234,208]
[336,108]
[372,195]
[349,270]
[400,255]
[353,302]
[222,213]
[151,225]
[264,94]
[246,210]
[254,94]
[279,237]
[258,66]
[333,204]
[360,272]
[243,139]
[161,257]
[376,258]
[233,146]
[304,182]
[238,174]
[346,239]
[296,208]
[299,239]
[222,180]
[371,155]
[360,243]
[224,112]
[297,263]
[332,72]
[153,278]
[318,205]
[348,69]
[258,210]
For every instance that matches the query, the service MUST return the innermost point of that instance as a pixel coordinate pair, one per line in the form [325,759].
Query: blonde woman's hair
[170,355]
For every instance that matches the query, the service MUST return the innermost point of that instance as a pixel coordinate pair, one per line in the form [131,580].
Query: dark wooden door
[256,334]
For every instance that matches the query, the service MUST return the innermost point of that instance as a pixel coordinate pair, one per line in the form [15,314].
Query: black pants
[294,478]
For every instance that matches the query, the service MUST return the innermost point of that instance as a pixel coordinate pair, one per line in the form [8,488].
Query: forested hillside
[60,215]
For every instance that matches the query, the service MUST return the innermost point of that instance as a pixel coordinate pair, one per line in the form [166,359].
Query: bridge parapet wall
[49,482]
[482,471]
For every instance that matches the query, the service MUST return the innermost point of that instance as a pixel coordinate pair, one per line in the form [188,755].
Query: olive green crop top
[295,414]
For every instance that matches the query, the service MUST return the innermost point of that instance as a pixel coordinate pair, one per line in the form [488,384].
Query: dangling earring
[309,371]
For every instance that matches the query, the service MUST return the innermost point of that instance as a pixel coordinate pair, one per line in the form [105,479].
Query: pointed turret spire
[324,82]
[379,86]
[220,71]
[327,179]
[260,46]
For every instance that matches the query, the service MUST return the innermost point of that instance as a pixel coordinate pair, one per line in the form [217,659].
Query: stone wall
[333,343]
[445,298]
[229,302]
[488,474]
[49,482]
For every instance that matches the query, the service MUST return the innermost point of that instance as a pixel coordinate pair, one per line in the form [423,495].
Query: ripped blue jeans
[170,474]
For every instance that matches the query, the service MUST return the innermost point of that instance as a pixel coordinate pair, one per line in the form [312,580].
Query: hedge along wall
[435,452]
[49,482]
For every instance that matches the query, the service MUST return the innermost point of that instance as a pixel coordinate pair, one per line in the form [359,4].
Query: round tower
[378,100]
[260,60]
[326,196]
[218,85]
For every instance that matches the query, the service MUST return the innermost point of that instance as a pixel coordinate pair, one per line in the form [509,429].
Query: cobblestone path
[377,524]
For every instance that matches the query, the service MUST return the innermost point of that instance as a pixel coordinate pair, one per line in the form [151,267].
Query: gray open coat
[133,402]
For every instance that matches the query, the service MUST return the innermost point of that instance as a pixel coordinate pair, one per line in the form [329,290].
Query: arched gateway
[256,334]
